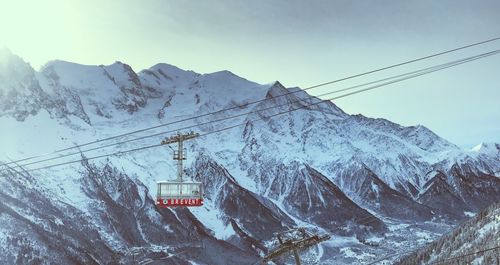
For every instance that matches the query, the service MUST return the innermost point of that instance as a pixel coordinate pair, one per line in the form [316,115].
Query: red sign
[178,202]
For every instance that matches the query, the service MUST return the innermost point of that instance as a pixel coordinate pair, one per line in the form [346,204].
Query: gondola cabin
[177,193]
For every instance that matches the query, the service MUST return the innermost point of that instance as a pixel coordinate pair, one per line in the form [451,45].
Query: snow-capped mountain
[358,178]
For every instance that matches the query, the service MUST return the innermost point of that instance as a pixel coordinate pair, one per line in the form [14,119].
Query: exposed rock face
[441,195]
[370,191]
[20,93]
[65,89]
[252,227]
[37,228]
[120,225]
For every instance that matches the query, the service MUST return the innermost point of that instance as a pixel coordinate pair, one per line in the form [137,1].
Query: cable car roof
[177,182]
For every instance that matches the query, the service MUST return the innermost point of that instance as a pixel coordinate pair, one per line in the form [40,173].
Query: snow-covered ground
[304,164]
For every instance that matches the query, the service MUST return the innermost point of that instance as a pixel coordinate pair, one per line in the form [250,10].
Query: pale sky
[299,43]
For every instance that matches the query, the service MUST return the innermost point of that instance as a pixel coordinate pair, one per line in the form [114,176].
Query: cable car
[179,192]
[176,193]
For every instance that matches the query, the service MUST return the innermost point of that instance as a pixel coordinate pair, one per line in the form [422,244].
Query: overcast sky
[299,43]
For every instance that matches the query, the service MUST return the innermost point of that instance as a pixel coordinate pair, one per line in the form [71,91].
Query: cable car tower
[179,192]
[292,241]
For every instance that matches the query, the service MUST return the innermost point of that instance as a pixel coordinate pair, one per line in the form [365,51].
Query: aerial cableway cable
[300,100]
[469,59]
[257,101]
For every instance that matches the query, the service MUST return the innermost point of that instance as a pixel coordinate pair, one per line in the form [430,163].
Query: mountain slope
[316,166]
[477,234]
[119,225]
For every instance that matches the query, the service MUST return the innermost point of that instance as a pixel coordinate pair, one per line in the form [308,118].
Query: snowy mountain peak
[276,89]
[20,93]
[299,160]
[67,66]
[4,50]
[492,149]
[227,80]
[224,74]
[13,68]
[167,72]
[426,139]
[5,55]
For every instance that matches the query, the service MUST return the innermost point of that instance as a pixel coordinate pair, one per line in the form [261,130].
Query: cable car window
[163,189]
[195,189]
[160,189]
[174,189]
